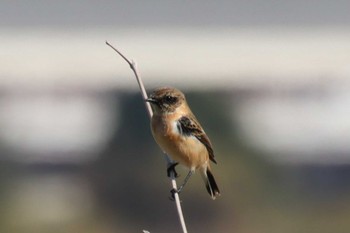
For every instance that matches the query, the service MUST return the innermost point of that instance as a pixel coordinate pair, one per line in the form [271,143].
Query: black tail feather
[211,185]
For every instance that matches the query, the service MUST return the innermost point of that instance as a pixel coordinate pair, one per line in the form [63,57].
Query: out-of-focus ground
[269,83]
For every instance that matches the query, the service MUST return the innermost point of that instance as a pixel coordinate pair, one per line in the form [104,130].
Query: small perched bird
[179,134]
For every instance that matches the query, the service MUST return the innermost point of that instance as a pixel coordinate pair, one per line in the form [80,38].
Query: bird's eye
[170,99]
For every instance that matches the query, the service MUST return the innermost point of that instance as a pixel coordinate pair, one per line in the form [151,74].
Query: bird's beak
[151,100]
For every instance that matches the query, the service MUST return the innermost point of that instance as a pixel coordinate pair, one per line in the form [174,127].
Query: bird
[179,134]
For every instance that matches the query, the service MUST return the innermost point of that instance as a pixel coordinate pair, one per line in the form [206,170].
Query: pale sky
[212,57]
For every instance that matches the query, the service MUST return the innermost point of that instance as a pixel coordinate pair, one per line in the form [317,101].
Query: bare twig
[133,67]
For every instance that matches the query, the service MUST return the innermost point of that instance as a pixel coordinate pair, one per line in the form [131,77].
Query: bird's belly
[186,150]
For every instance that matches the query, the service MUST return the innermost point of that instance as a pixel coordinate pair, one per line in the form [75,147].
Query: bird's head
[166,100]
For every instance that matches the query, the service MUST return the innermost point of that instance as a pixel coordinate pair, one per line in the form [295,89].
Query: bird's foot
[173,191]
[171,168]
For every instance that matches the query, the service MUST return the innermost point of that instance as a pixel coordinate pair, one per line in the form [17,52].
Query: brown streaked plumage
[179,134]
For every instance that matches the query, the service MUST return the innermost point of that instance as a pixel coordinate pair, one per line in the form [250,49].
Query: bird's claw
[171,168]
[173,191]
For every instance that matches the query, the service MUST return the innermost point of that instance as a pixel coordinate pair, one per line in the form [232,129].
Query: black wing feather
[189,126]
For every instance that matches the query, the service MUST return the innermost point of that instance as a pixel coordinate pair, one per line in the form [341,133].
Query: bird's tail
[210,183]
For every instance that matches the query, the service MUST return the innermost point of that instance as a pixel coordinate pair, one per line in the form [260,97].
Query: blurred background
[269,81]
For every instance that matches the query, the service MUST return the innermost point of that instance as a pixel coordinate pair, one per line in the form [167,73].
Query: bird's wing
[189,126]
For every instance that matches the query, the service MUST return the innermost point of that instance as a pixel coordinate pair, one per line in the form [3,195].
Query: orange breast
[186,150]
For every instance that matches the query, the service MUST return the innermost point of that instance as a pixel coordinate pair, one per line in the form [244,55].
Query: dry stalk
[133,67]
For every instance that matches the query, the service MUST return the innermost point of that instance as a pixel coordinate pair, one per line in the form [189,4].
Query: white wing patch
[175,128]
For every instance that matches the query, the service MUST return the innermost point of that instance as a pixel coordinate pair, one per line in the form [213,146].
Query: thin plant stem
[133,67]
